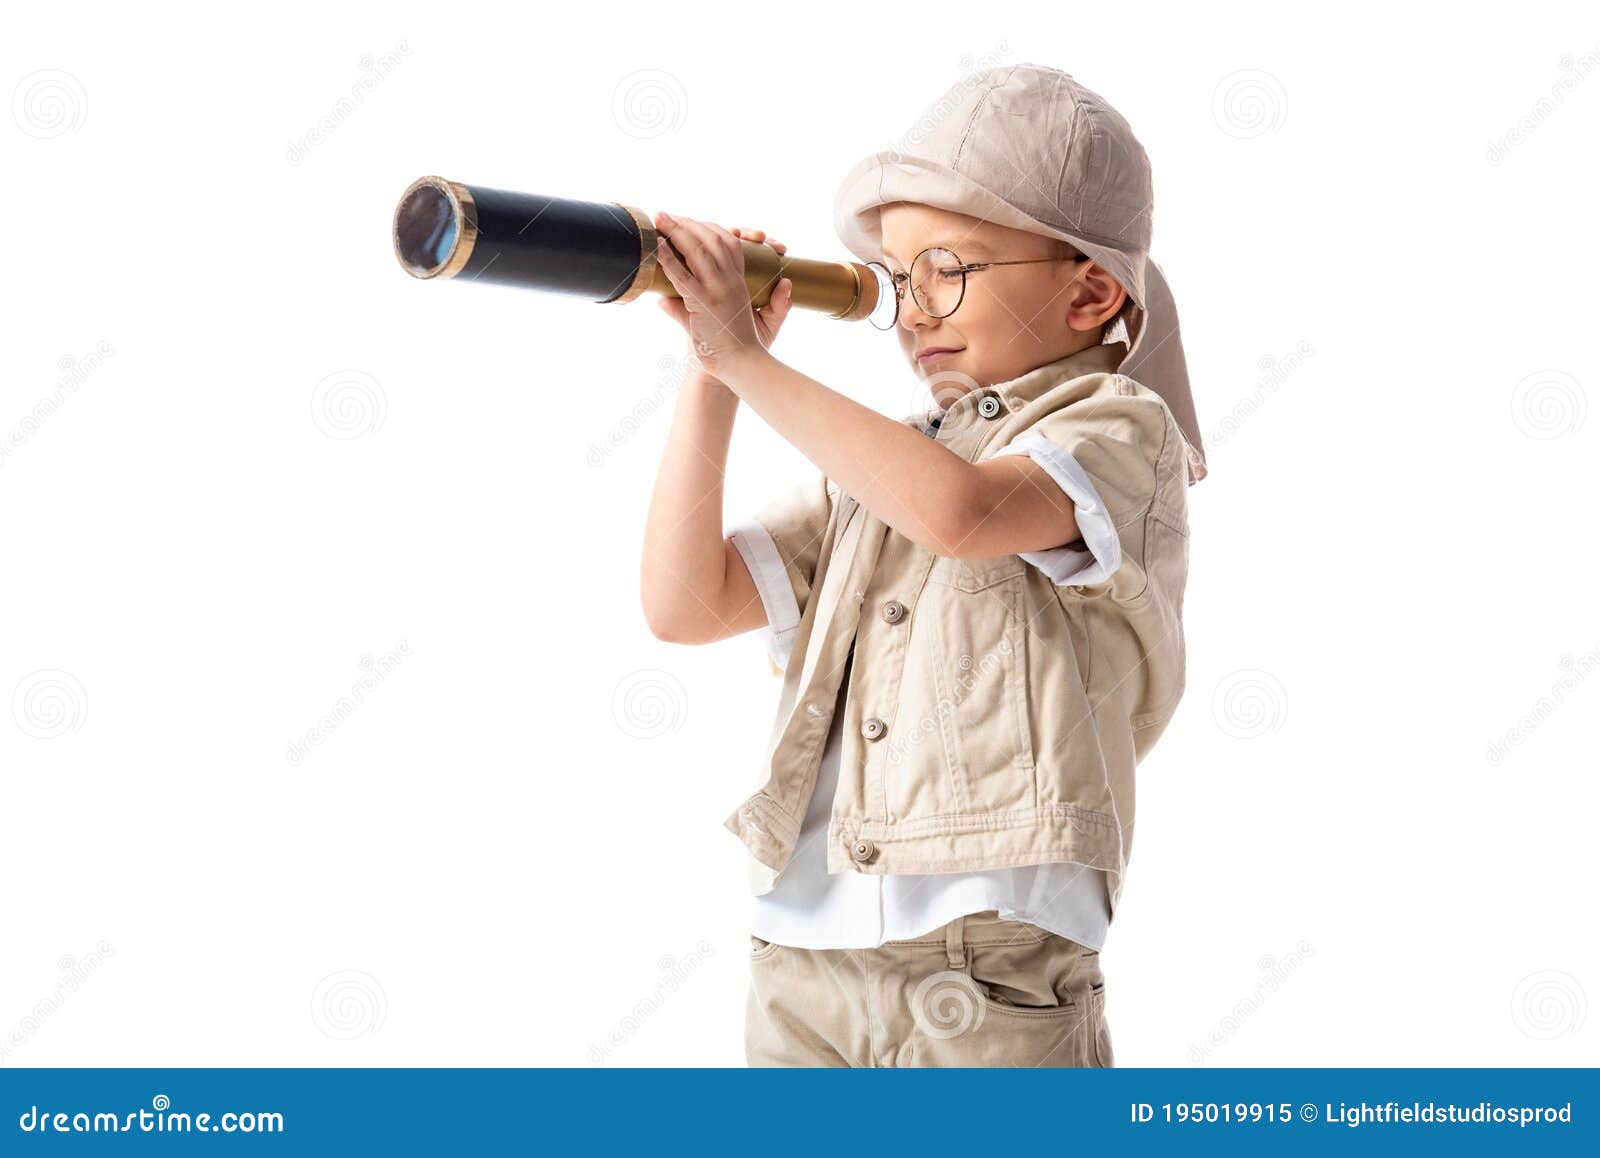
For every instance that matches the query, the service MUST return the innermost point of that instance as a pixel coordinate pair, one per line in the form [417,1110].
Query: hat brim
[886,177]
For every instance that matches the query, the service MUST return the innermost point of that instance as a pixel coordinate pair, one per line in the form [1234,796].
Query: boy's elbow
[671,625]
[665,627]
[668,632]
[662,614]
[955,526]
[987,519]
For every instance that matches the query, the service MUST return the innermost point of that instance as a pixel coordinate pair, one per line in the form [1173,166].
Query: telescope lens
[425,231]
[887,310]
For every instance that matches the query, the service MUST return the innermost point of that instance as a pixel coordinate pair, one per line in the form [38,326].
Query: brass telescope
[599,250]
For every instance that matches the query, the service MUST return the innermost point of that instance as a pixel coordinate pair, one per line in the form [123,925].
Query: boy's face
[1012,318]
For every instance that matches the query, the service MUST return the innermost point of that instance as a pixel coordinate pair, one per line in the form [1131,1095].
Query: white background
[1369,835]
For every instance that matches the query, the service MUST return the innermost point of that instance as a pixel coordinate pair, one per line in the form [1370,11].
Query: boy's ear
[1095,300]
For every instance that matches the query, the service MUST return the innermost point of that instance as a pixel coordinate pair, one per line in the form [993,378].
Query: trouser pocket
[1008,994]
[760,950]
[1102,1031]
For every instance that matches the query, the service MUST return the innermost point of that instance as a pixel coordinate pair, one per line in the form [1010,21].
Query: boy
[977,610]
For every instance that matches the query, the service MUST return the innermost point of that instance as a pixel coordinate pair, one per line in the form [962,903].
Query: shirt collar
[1015,393]
[1103,358]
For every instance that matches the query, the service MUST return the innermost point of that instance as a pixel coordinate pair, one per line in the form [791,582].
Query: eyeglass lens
[937,281]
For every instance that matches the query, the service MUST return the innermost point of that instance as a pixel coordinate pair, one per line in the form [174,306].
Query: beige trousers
[979,991]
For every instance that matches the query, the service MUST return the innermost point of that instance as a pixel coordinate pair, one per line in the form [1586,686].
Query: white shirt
[811,908]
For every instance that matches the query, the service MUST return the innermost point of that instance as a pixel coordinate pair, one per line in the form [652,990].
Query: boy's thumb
[782,297]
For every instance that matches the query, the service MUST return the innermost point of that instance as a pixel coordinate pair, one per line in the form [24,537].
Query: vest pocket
[975,574]
[979,636]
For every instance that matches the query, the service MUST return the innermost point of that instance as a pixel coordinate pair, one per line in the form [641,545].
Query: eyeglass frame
[963,267]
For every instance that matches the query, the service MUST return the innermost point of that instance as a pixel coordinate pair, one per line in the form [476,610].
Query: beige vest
[994,718]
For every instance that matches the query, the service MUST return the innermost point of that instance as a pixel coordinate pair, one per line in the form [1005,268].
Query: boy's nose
[911,316]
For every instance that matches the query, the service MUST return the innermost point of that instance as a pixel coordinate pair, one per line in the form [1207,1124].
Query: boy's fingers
[731,246]
[760,235]
[682,278]
[700,244]
[675,259]
[723,239]
[669,261]
[684,240]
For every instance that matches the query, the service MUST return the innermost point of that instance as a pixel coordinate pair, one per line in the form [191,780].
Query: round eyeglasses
[937,281]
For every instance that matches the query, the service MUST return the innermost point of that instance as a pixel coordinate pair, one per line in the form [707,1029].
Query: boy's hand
[715,304]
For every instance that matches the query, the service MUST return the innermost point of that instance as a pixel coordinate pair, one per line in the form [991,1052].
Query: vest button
[863,851]
[894,611]
[873,728]
[989,406]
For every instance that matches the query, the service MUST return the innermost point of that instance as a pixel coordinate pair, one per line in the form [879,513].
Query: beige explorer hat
[1030,148]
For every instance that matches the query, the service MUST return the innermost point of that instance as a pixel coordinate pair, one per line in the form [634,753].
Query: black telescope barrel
[586,248]
[604,251]
[589,249]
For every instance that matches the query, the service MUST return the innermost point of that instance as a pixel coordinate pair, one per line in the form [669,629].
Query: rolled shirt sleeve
[1096,558]
[1105,452]
[782,545]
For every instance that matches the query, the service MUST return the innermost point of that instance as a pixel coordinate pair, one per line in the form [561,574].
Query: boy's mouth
[933,353]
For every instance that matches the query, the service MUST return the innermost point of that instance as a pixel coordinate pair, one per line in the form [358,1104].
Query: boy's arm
[1109,454]
[941,502]
[693,586]
[946,505]
[698,584]
[780,548]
